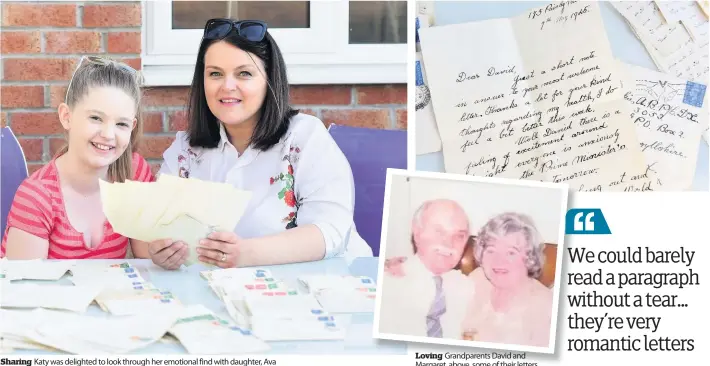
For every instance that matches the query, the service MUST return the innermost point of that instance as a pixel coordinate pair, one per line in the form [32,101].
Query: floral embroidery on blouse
[184,162]
[287,194]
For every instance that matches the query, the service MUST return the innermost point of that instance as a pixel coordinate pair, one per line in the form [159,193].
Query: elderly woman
[510,305]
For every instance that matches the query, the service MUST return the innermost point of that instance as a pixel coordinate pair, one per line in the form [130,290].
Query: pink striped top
[38,209]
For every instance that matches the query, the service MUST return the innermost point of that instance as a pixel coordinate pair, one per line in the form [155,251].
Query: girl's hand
[168,254]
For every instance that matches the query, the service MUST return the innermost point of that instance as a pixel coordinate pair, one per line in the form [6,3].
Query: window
[323,42]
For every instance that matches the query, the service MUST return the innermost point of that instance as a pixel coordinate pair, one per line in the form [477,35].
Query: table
[187,285]
[624,45]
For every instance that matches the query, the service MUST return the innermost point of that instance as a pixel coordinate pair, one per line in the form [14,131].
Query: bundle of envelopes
[45,294]
[273,310]
[136,313]
[198,330]
[86,334]
[110,276]
[543,97]
[174,208]
[231,285]
[342,294]
[35,269]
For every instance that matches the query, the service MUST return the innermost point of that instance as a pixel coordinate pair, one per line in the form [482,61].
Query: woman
[511,306]
[242,131]
[57,211]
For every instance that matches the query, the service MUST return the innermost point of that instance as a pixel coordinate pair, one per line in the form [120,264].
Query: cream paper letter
[537,97]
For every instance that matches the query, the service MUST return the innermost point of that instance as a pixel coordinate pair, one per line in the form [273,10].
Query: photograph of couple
[470,262]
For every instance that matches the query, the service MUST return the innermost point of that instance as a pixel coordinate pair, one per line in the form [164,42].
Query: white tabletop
[190,288]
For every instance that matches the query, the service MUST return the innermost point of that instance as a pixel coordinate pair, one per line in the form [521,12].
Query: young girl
[57,211]
[243,131]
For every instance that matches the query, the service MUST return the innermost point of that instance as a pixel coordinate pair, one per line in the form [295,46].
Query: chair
[13,170]
[547,277]
[370,152]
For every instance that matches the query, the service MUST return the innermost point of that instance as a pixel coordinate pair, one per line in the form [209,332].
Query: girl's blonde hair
[94,72]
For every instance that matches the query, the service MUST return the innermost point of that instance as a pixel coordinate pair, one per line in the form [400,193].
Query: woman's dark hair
[203,127]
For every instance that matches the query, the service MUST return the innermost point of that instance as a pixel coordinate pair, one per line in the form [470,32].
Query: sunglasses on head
[251,30]
[98,61]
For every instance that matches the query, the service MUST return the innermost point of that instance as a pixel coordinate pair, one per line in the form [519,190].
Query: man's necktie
[438,307]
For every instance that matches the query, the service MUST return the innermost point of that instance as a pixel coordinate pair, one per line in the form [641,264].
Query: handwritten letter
[538,97]
[676,35]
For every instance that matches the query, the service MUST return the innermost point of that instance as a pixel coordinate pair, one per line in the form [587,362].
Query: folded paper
[174,208]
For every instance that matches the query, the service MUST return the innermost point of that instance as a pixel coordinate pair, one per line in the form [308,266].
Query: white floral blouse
[303,179]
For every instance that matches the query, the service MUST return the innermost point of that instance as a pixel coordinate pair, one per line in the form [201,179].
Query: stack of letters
[272,309]
[54,316]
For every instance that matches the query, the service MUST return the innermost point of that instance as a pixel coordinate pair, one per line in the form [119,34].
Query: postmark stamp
[694,94]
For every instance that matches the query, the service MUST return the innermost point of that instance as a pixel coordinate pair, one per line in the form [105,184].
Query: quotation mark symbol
[586,221]
[585,224]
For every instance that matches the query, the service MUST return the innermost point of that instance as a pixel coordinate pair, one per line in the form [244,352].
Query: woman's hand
[167,253]
[393,266]
[220,249]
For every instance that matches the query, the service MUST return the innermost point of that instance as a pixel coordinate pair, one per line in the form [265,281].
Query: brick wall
[42,44]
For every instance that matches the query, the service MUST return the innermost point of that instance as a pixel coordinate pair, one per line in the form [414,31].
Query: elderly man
[430,299]
[511,306]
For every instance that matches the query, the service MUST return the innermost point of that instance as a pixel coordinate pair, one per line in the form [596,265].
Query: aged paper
[173,208]
[427,135]
[13,326]
[201,332]
[30,295]
[117,276]
[84,334]
[675,33]
[539,97]
[130,302]
[667,114]
[705,6]
[35,269]
[342,294]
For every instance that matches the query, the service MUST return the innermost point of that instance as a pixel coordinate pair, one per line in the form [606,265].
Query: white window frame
[320,54]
